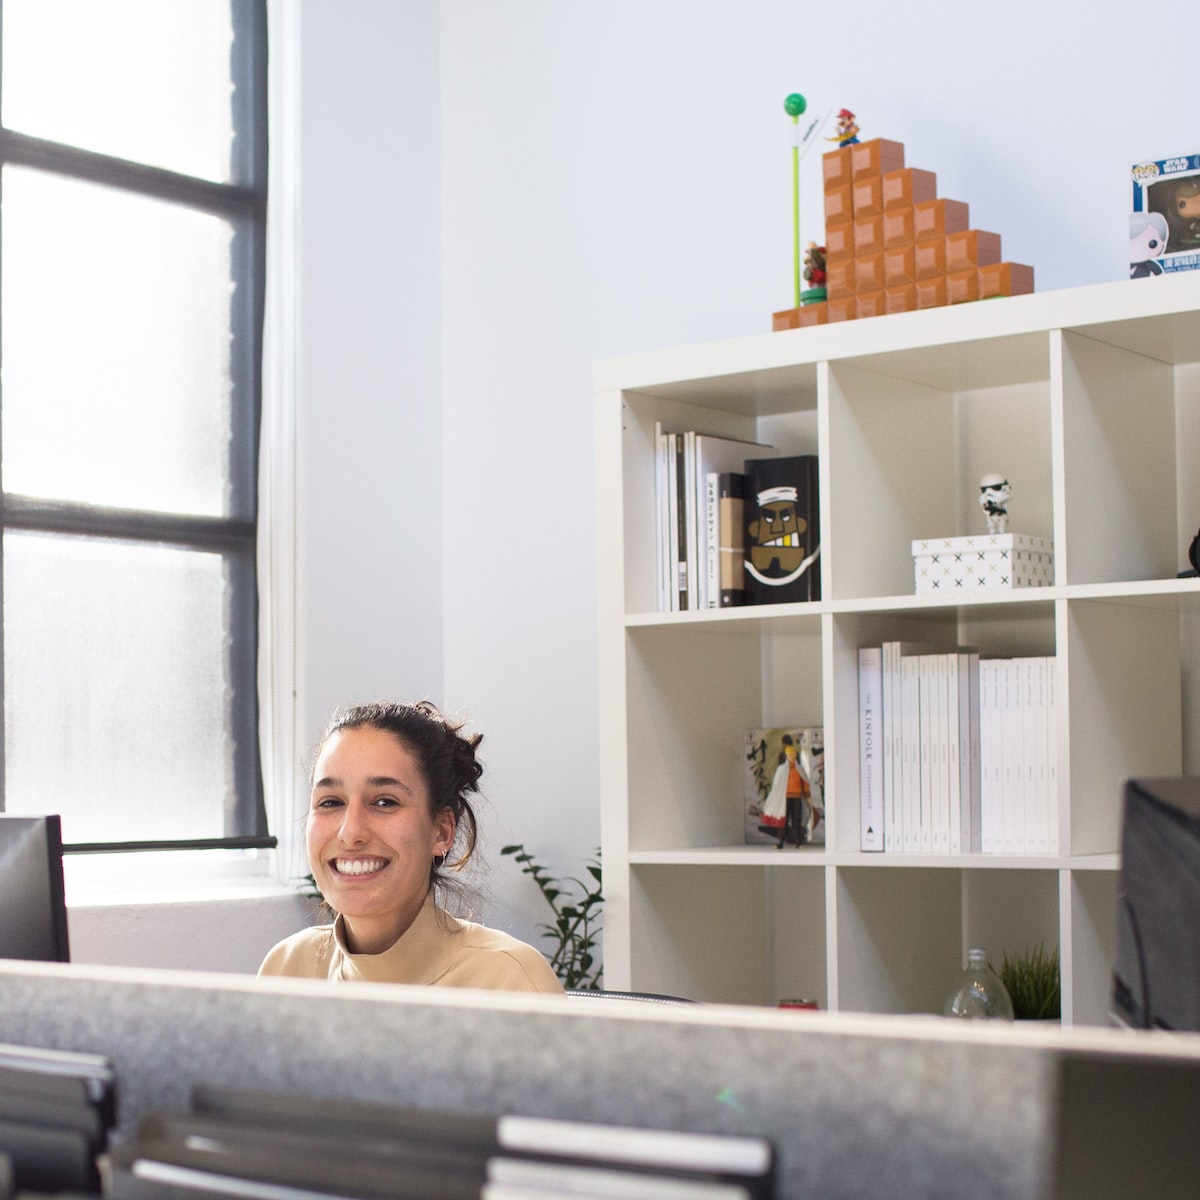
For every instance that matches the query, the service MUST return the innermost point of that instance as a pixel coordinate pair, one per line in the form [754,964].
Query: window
[132,212]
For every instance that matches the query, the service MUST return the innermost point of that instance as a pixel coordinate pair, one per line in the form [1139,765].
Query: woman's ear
[445,823]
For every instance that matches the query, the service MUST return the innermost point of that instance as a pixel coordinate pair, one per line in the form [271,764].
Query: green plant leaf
[1033,981]
[575,928]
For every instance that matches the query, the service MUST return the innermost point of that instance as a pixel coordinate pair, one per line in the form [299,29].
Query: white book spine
[1015,732]
[938,796]
[954,746]
[1041,844]
[690,524]
[712,541]
[1023,839]
[870,775]
[938,791]
[1010,751]
[989,720]
[662,544]
[910,784]
[928,752]
[1054,842]
[969,750]
[942,778]
[891,749]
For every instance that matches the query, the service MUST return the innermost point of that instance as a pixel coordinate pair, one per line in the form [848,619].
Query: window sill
[97,881]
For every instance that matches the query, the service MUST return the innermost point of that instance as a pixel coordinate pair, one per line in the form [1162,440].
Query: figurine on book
[785,786]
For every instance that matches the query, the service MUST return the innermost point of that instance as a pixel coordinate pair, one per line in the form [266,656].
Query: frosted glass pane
[116,688]
[139,79]
[116,366]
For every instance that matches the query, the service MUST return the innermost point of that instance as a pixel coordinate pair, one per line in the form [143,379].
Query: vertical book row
[957,754]
[736,523]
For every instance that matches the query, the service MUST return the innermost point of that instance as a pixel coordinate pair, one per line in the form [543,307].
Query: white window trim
[279,737]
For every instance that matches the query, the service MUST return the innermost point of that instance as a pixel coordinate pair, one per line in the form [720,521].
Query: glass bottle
[979,991]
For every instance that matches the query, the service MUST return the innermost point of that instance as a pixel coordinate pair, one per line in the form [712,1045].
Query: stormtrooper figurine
[994,493]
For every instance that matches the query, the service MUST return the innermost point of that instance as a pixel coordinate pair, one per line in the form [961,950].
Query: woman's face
[371,836]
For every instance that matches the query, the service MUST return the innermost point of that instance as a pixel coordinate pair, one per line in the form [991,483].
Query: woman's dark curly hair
[444,754]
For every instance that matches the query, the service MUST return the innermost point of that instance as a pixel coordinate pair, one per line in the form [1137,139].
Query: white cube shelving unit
[1089,400]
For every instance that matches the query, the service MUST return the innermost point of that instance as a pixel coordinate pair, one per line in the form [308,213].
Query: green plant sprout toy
[803,134]
[794,106]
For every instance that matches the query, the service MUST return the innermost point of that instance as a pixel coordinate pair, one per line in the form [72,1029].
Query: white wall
[186,935]
[616,177]
[368,479]
[494,193]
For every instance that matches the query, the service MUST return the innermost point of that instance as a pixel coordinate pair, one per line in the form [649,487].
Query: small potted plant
[1033,983]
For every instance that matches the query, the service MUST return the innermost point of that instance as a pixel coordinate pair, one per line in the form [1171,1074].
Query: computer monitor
[33,907]
[1125,1126]
[1158,906]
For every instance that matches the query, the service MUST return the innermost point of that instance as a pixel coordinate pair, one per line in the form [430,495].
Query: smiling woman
[389,815]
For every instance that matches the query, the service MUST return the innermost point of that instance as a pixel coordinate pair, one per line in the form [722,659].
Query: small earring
[439,860]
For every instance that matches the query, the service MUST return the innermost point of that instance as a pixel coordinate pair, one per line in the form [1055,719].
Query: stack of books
[272,1147]
[956,754]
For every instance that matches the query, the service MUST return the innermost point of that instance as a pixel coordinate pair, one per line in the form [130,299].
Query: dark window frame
[243,202]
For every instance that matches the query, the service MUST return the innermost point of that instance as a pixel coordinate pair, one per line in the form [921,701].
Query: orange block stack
[892,245]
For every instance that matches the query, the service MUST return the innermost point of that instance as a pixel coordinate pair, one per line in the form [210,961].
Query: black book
[782,538]
[683,563]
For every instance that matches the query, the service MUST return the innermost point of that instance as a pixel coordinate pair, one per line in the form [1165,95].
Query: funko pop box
[1164,223]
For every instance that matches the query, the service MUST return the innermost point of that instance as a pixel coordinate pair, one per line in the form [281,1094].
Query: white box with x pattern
[985,561]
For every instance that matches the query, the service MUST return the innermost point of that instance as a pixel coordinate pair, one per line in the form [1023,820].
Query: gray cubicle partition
[857,1107]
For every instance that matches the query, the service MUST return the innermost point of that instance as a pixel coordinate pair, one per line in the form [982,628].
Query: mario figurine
[847,130]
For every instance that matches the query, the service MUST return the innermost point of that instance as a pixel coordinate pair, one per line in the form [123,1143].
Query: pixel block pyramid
[892,245]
